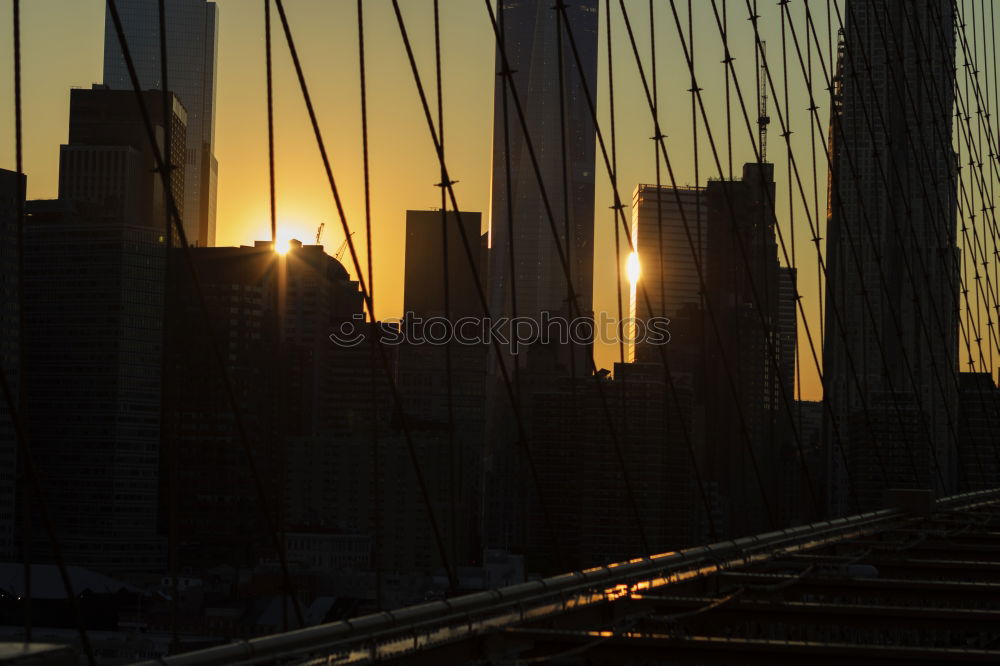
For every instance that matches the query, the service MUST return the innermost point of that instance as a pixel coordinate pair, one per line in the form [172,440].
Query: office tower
[661,220]
[315,296]
[583,491]
[93,292]
[108,161]
[271,315]
[978,426]
[93,317]
[794,458]
[424,281]
[432,343]
[192,36]
[526,274]
[741,354]
[530,36]
[801,465]
[442,380]
[12,189]
[787,330]
[892,115]
[484,261]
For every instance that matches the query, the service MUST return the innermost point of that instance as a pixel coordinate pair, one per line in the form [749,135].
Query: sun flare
[632,267]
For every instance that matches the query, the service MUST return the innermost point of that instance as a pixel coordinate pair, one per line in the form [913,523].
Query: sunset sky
[63,48]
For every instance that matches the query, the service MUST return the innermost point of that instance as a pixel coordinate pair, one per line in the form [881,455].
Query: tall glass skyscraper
[526,276]
[518,216]
[890,362]
[192,31]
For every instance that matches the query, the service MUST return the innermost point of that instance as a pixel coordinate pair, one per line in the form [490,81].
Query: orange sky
[63,47]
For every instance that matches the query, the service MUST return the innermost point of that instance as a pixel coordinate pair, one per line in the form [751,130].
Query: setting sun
[632,267]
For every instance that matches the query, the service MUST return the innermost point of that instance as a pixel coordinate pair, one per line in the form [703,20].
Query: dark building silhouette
[424,279]
[108,160]
[661,220]
[801,465]
[192,45]
[93,332]
[446,404]
[742,369]
[796,462]
[888,440]
[271,315]
[892,115]
[582,486]
[978,430]
[742,356]
[525,271]
[93,317]
[787,327]
[530,37]
[12,189]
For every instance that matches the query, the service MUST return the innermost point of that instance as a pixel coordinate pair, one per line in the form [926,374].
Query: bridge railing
[393,634]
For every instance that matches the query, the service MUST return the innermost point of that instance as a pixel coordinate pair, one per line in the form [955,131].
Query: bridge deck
[891,586]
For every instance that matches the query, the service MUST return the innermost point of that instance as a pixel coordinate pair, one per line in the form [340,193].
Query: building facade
[581,515]
[442,380]
[12,189]
[108,162]
[95,262]
[742,352]
[891,344]
[426,257]
[536,227]
[978,426]
[192,45]
[662,218]
[271,315]
[518,213]
[93,318]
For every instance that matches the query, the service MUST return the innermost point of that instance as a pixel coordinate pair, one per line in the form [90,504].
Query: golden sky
[63,47]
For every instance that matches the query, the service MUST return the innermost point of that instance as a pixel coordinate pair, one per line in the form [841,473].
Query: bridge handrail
[486,611]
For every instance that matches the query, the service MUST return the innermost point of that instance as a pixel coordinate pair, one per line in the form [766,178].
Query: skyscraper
[442,382]
[192,31]
[580,478]
[93,293]
[978,425]
[741,356]
[424,283]
[526,274]
[518,215]
[93,316]
[892,115]
[669,267]
[271,315]
[108,161]
[787,327]
[12,188]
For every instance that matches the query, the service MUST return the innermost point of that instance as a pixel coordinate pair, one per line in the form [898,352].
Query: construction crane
[343,246]
[319,232]
[763,120]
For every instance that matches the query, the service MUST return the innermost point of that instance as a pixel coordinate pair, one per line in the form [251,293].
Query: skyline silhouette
[597,429]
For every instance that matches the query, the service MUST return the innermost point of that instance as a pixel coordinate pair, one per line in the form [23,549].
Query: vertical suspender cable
[168,445]
[272,202]
[376,485]
[13,408]
[20,196]
[446,287]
